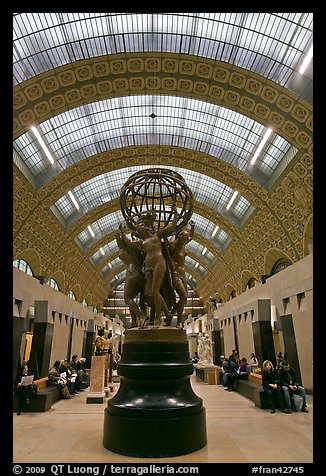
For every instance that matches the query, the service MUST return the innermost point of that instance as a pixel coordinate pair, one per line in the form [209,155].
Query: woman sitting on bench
[271,386]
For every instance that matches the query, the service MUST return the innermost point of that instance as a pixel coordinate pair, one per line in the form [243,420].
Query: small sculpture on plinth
[100,342]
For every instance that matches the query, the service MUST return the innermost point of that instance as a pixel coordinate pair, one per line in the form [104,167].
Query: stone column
[89,344]
[42,340]
[262,332]
[290,344]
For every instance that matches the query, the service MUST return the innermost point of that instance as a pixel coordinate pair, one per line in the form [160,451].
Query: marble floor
[237,432]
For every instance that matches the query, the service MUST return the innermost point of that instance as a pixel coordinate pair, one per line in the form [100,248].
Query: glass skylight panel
[65,206]
[116,263]
[240,206]
[196,248]
[120,276]
[222,236]
[108,249]
[277,152]
[191,263]
[205,228]
[191,279]
[101,227]
[44,41]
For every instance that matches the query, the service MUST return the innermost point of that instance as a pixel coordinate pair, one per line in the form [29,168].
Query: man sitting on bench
[242,373]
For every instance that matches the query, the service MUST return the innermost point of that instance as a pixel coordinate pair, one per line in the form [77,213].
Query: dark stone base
[155,412]
[95,399]
[154,437]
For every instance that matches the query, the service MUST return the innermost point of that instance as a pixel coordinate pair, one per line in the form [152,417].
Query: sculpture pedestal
[96,392]
[206,372]
[155,412]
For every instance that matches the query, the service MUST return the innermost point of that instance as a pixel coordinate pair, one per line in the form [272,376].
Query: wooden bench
[45,397]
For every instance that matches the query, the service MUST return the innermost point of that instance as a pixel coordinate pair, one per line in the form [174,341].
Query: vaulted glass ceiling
[126,121]
[103,188]
[273,45]
[270,44]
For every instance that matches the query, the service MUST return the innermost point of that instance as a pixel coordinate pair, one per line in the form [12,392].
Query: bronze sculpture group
[155,258]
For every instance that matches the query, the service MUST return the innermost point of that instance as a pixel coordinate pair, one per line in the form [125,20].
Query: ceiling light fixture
[42,144]
[261,145]
[91,231]
[232,200]
[306,61]
[215,231]
[74,201]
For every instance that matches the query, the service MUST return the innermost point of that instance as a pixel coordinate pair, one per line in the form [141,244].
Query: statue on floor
[205,349]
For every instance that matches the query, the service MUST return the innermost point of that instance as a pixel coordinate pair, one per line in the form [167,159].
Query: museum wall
[60,337]
[58,321]
[285,301]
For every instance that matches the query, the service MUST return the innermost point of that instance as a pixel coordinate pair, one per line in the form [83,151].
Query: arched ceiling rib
[270,44]
[222,113]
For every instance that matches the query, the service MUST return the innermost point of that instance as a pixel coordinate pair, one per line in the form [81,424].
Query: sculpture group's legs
[182,292]
[132,288]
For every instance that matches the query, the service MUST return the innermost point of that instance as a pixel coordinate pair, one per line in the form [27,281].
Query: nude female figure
[154,263]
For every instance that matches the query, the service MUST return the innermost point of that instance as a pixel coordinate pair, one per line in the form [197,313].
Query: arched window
[53,284]
[23,266]
[71,294]
[233,294]
[280,264]
[95,309]
[251,283]
[85,304]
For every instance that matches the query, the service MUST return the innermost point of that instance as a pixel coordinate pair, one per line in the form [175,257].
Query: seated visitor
[288,383]
[221,371]
[253,362]
[271,387]
[234,356]
[229,368]
[83,377]
[74,364]
[70,376]
[54,377]
[23,391]
[242,373]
